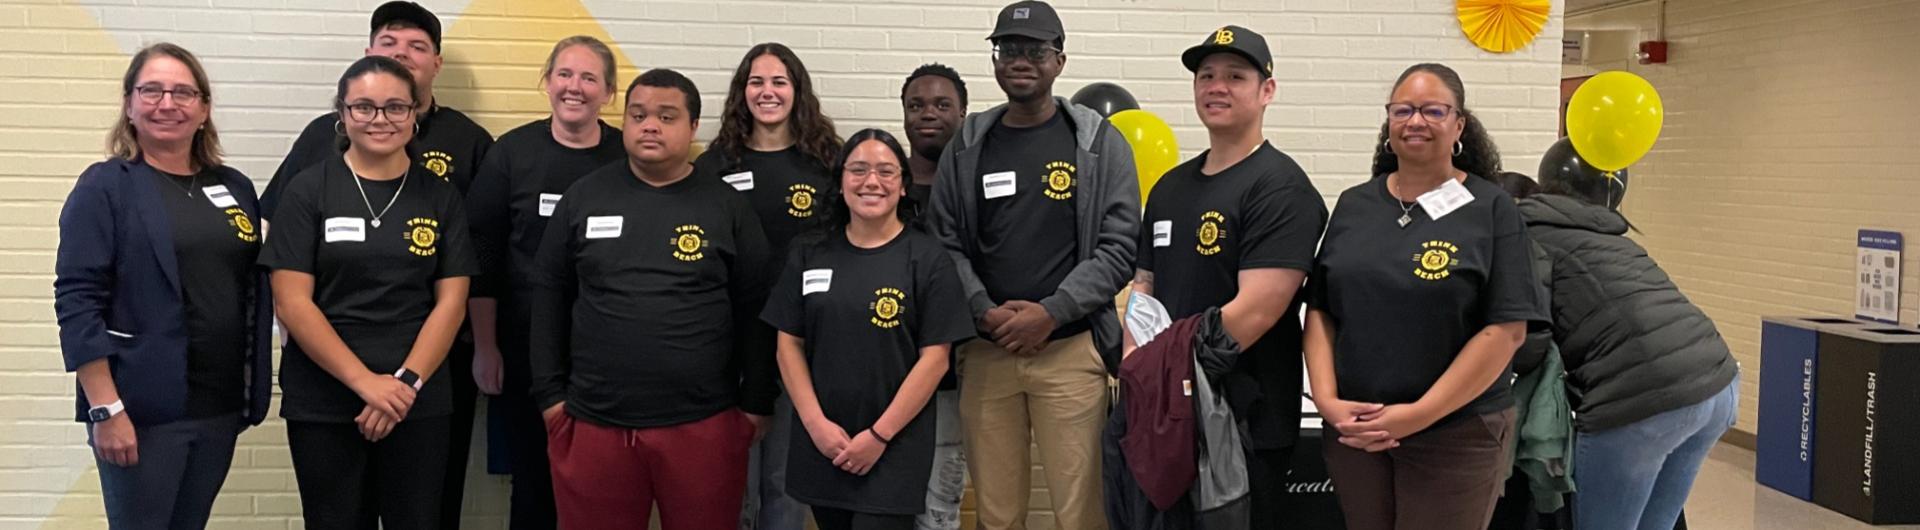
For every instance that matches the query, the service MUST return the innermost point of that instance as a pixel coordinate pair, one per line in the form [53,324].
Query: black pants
[532,500]
[459,370]
[838,519]
[1267,478]
[182,466]
[347,482]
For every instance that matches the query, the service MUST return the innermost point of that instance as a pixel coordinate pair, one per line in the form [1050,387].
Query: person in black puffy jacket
[1651,381]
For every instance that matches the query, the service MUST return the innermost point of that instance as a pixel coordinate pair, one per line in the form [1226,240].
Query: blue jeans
[948,481]
[182,466]
[1638,475]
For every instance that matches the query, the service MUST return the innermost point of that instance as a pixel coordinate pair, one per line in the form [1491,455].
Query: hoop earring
[339,127]
[1457,147]
[416,128]
[1387,145]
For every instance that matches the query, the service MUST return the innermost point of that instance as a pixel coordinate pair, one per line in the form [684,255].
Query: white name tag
[605,226]
[345,229]
[741,181]
[1449,197]
[1162,233]
[997,185]
[815,281]
[547,202]
[220,196]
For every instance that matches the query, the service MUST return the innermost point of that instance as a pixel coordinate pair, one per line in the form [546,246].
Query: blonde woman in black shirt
[514,193]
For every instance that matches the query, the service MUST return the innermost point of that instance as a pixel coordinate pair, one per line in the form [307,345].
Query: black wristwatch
[104,412]
[410,378]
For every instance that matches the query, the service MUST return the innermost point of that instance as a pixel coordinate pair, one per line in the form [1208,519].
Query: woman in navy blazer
[162,312]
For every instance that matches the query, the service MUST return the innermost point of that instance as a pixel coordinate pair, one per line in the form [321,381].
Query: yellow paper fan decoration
[1501,26]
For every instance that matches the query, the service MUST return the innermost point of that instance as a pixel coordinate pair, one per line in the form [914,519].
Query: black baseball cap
[1235,40]
[1031,18]
[411,13]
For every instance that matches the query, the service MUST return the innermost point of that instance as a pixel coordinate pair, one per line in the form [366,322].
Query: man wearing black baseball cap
[449,145]
[1037,200]
[1236,228]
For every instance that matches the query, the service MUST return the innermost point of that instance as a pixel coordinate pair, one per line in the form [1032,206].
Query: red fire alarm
[1653,52]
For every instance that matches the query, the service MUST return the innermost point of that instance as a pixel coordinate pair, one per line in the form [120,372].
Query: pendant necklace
[363,193]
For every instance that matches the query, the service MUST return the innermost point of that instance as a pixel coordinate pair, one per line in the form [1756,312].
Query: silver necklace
[1406,210]
[188,187]
[363,193]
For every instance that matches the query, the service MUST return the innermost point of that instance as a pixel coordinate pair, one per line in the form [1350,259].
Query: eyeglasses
[885,171]
[365,112]
[183,96]
[1034,52]
[1433,113]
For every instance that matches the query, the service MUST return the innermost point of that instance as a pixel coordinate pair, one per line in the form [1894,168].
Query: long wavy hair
[812,130]
[123,141]
[1478,155]
[838,215]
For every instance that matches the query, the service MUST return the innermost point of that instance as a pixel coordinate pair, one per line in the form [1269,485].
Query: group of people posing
[797,321]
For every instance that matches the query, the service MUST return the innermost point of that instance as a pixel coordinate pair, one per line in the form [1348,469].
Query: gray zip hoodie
[1107,215]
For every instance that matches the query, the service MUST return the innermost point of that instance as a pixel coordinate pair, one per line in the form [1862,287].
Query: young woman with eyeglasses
[867,309]
[371,259]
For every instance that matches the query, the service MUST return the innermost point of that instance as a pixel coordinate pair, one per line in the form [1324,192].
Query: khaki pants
[1058,398]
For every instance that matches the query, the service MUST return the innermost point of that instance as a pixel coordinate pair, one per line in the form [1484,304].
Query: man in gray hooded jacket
[1037,200]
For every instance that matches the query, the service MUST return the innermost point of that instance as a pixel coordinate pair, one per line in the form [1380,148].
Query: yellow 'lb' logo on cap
[1223,37]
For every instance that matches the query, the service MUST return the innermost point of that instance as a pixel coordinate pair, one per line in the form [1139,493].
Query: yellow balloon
[1154,148]
[1613,120]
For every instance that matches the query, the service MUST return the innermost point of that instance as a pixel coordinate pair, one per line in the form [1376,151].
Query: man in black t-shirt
[648,360]
[1038,203]
[1236,228]
[448,145]
[934,100]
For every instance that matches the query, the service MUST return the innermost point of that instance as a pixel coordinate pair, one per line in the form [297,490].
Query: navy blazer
[116,289]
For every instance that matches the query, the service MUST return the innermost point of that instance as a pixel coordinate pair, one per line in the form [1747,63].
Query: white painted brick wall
[274,63]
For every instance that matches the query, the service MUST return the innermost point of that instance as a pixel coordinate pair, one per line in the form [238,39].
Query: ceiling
[1576,6]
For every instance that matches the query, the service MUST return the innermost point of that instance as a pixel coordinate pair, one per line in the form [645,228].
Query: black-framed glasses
[1405,111]
[182,95]
[365,112]
[1034,52]
[885,171]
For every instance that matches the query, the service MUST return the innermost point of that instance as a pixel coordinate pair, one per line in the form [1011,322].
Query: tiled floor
[1725,497]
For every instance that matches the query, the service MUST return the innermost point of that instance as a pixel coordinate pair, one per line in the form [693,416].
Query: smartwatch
[410,378]
[105,412]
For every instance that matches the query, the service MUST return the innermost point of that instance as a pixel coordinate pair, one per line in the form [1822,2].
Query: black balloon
[1105,98]
[1563,163]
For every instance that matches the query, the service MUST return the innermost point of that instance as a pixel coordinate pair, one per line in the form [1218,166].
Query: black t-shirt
[1201,231]
[449,145]
[865,314]
[1404,301]
[1029,238]
[375,284]
[644,303]
[515,192]
[215,243]
[783,186]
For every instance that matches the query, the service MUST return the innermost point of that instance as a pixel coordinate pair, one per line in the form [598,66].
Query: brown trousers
[1444,478]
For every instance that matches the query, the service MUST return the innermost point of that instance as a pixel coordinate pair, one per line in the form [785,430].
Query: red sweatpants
[609,477]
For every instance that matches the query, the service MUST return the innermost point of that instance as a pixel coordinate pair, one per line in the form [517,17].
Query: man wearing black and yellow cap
[1236,228]
[448,144]
[1037,200]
